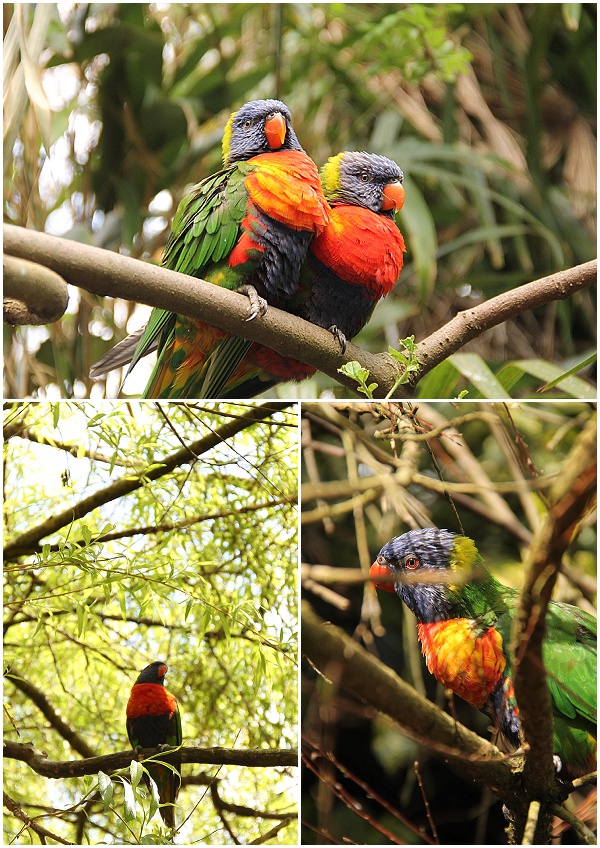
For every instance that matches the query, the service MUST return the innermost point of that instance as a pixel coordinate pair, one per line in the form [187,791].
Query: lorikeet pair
[465,633]
[249,228]
[153,719]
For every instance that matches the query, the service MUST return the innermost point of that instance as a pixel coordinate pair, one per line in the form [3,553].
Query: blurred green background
[490,110]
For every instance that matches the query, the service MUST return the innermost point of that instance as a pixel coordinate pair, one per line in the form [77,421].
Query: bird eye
[247,124]
[411,562]
[380,560]
[364,177]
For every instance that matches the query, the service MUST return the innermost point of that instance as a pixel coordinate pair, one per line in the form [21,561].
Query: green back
[205,229]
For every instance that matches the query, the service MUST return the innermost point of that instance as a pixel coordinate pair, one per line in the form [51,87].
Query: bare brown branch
[33,294]
[570,498]
[248,757]
[471,323]
[110,274]
[39,698]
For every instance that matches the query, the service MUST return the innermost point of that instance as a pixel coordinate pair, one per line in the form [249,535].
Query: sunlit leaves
[197,568]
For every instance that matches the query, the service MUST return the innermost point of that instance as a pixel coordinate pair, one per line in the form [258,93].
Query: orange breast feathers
[468,664]
[362,247]
[150,699]
[286,186]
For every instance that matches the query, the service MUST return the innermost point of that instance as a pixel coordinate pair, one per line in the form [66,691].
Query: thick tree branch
[41,701]
[570,498]
[107,273]
[33,294]
[26,543]
[110,274]
[465,752]
[248,757]
[168,526]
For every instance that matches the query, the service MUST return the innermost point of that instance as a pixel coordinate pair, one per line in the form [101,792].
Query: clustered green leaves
[196,567]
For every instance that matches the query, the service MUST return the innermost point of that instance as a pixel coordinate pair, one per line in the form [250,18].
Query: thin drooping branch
[247,757]
[465,752]
[110,274]
[26,543]
[240,810]
[41,831]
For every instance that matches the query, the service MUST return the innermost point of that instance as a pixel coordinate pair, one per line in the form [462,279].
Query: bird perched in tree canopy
[350,265]
[153,719]
[465,633]
[246,228]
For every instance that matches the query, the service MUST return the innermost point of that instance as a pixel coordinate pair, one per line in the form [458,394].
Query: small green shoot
[355,371]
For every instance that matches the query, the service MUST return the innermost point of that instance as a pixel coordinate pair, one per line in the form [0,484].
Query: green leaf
[122,600]
[154,799]
[419,231]
[549,374]
[129,802]
[106,789]
[136,772]
[82,618]
[355,371]
[473,368]
[571,13]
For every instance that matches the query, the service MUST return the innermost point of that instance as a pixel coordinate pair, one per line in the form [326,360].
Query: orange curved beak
[275,130]
[393,197]
[376,572]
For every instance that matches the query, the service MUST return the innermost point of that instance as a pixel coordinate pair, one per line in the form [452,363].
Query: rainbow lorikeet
[153,719]
[465,633]
[246,228]
[351,264]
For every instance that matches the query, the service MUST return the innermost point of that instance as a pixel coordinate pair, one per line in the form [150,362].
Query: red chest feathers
[362,248]
[464,660]
[150,699]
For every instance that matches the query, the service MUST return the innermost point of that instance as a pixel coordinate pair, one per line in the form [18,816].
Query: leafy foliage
[195,566]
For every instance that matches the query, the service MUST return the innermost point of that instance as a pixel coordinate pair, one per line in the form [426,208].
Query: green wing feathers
[207,223]
[570,652]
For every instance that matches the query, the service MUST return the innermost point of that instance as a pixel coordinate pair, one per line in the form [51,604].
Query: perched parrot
[153,719]
[246,228]
[354,262]
[465,631]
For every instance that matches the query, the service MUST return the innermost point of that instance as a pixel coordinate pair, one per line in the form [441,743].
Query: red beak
[275,130]
[376,572]
[393,197]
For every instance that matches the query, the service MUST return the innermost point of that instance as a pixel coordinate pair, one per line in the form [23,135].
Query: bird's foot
[337,333]
[258,305]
